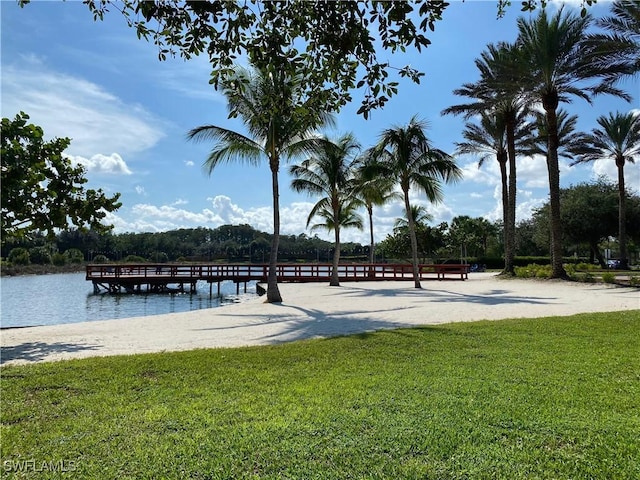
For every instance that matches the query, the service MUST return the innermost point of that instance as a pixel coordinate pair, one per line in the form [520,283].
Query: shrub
[634,281]
[587,278]
[58,259]
[19,256]
[40,255]
[133,259]
[159,257]
[608,277]
[100,259]
[533,271]
[586,267]
[543,271]
[74,255]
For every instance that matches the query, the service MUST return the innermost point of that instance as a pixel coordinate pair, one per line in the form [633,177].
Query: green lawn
[544,398]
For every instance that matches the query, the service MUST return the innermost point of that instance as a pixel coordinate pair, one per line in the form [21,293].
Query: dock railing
[298,272]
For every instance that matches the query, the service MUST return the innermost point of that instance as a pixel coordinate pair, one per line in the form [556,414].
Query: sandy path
[316,310]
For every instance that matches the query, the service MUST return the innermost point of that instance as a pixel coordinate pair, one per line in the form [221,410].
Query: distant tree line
[589,215]
[229,243]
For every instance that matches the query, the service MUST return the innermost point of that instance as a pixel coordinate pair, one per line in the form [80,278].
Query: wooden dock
[167,277]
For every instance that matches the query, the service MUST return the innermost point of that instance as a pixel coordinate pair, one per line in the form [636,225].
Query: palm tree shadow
[320,324]
[490,297]
[306,323]
[39,351]
[314,323]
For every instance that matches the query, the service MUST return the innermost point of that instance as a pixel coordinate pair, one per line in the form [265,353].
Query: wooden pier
[167,277]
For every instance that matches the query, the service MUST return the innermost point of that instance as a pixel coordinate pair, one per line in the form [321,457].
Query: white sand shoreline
[316,310]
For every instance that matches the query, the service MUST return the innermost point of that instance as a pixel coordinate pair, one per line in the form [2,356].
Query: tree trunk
[273,292]
[622,216]
[414,241]
[372,254]
[555,223]
[510,226]
[373,245]
[335,279]
[502,161]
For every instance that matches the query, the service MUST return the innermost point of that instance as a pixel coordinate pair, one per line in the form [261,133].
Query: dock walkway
[163,277]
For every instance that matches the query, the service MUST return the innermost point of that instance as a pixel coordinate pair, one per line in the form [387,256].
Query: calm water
[68,298]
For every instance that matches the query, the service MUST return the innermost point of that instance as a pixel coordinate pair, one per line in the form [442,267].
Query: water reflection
[69,298]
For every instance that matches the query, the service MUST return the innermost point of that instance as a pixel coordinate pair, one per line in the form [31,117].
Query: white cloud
[176,217]
[488,174]
[532,172]
[606,167]
[109,164]
[70,106]
[293,218]
[189,163]
[140,190]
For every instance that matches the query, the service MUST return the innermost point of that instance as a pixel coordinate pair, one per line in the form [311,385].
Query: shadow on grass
[38,351]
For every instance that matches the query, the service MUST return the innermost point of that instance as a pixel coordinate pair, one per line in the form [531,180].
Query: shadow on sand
[306,323]
[488,298]
[39,351]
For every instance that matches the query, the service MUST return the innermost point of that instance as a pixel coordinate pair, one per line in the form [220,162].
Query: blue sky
[128,113]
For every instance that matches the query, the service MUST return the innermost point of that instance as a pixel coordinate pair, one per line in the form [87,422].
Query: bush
[74,255]
[133,259]
[585,267]
[19,256]
[634,281]
[608,277]
[533,271]
[100,259]
[587,278]
[543,271]
[159,257]
[58,259]
[531,260]
[40,255]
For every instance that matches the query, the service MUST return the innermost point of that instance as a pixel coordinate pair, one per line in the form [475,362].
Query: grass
[544,398]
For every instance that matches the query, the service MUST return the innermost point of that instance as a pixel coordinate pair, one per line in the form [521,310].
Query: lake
[32,300]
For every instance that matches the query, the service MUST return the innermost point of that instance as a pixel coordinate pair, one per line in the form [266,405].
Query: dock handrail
[286,272]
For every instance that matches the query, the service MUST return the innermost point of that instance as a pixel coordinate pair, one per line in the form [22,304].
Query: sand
[317,310]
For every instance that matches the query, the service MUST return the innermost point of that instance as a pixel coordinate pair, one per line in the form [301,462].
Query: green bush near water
[542,398]
[19,256]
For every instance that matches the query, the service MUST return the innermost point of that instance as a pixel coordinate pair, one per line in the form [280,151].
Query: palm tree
[420,216]
[330,172]
[489,139]
[618,139]
[498,93]
[619,48]
[406,154]
[569,141]
[276,131]
[372,192]
[557,67]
